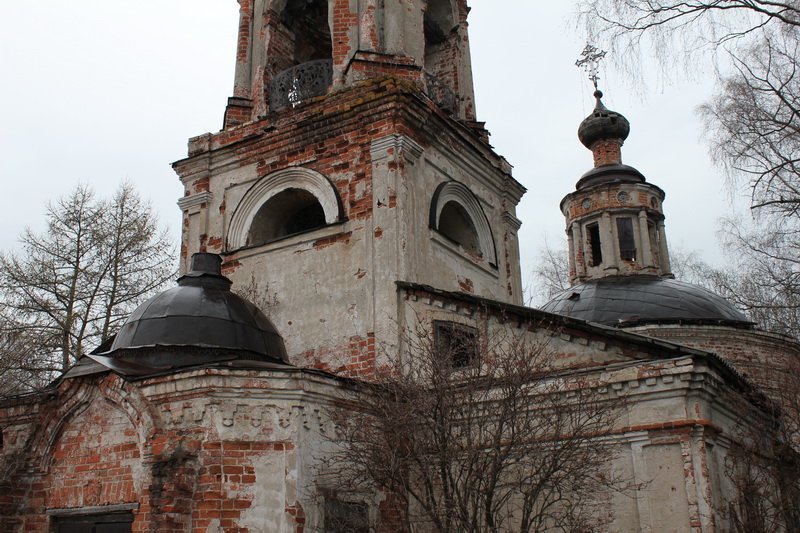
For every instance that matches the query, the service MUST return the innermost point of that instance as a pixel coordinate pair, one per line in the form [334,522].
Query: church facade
[351,195]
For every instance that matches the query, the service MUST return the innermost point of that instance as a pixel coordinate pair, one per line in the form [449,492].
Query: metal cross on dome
[590,62]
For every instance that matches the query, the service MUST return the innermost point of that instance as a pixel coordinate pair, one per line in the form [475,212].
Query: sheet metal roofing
[200,313]
[629,300]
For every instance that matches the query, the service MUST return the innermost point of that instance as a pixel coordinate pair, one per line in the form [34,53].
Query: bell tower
[615,221]
[350,159]
[292,50]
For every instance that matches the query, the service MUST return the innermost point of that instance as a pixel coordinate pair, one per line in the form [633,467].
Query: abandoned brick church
[352,185]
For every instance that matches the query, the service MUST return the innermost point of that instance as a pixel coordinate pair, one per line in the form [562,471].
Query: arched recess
[76,396]
[293,200]
[457,214]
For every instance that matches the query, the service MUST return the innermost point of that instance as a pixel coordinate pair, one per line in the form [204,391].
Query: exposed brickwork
[765,358]
[230,266]
[93,460]
[466,285]
[201,185]
[602,198]
[344,23]
[355,359]
[607,152]
[238,111]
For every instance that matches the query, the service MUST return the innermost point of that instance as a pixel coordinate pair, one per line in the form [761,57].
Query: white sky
[99,91]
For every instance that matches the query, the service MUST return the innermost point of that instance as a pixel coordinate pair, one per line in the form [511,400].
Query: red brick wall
[607,152]
[95,461]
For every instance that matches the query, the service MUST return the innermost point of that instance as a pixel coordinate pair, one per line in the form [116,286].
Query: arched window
[456,213]
[287,202]
[288,212]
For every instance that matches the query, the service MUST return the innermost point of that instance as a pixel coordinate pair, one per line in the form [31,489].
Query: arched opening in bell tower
[287,213]
[300,53]
[441,46]
[307,21]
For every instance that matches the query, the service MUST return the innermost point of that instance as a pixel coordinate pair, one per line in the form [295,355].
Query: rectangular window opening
[346,517]
[457,342]
[108,523]
[595,249]
[627,243]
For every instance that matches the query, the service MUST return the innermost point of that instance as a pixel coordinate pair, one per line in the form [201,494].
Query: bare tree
[763,465]
[136,255]
[687,26]
[753,125]
[761,275]
[477,432]
[22,367]
[753,120]
[73,284]
[550,274]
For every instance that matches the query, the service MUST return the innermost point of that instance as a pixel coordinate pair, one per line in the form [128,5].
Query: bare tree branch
[491,441]
[74,284]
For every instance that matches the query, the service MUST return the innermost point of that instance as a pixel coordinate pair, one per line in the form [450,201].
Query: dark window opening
[595,250]
[300,54]
[109,523]
[309,31]
[627,243]
[438,22]
[346,517]
[654,242]
[457,343]
[287,213]
[456,224]
[440,42]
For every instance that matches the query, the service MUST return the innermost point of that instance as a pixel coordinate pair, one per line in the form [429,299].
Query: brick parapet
[765,358]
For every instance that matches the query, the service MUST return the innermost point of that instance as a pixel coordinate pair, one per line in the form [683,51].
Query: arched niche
[287,202]
[456,213]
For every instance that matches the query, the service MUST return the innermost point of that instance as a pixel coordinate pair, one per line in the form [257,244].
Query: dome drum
[631,197]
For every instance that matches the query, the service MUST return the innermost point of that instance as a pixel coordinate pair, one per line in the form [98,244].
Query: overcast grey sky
[97,91]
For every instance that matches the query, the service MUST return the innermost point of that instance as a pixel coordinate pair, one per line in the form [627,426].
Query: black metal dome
[199,316]
[603,124]
[631,300]
[610,174]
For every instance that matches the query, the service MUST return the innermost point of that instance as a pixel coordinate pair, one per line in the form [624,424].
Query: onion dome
[632,300]
[198,322]
[602,125]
